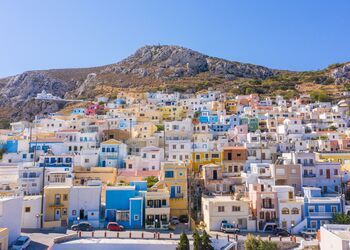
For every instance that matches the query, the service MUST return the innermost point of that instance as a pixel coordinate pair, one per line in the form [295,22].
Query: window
[27,209]
[311,209]
[122,216]
[64,211]
[334,209]
[215,156]
[169,174]
[262,215]
[295,210]
[335,171]
[163,202]
[65,197]
[285,210]
[290,195]
[74,212]
[313,224]
[136,217]
[321,171]
[236,208]
[221,209]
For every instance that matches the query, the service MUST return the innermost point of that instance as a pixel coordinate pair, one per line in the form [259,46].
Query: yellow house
[173,176]
[173,112]
[56,200]
[341,156]
[231,107]
[107,175]
[149,116]
[4,237]
[200,159]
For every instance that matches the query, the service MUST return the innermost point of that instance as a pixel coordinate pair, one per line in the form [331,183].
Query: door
[215,174]
[82,214]
[57,214]
[157,221]
[172,192]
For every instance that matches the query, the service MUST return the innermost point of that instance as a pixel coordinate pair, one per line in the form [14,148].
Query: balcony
[267,206]
[310,175]
[55,165]
[56,204]
[321,214]
[177,196]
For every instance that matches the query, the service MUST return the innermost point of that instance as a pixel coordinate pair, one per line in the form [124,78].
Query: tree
[197,241]
[206,242]
[151,180]
[253,243]
[341,219]
[183,244]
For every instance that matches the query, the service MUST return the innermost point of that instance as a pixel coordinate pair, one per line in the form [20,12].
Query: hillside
[159,68]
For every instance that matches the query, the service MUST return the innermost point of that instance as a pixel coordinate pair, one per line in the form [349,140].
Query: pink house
[264,204]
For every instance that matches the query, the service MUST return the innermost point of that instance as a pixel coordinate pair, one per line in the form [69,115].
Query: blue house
[207,117]
[219,127]
[125,205]
[319,209]
[234,121]
[112,153]
[78,111]
[11,146]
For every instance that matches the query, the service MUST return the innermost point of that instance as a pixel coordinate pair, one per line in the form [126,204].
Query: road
[42,239]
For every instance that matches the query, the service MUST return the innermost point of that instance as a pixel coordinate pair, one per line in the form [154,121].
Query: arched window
[295,210]
[285,210]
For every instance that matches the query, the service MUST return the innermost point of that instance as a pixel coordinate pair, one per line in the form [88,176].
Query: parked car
[229,228]
[309,232]
[22,242]
[82,226]
[183,218]
[269,227]
[174,220]
[280,232]
[114,226]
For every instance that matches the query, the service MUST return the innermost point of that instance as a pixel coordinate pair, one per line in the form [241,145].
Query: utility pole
[164,142]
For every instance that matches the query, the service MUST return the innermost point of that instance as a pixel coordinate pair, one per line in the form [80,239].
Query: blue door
[172,192]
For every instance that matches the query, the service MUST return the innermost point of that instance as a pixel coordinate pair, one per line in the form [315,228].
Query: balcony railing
[267,206]
[177,196]
[321,214]
[309,175]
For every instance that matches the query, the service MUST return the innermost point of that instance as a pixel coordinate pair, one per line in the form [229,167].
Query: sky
[288,34]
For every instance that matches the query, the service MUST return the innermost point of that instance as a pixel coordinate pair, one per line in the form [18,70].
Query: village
[169,162]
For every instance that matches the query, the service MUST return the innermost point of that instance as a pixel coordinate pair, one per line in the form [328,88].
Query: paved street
[42,239]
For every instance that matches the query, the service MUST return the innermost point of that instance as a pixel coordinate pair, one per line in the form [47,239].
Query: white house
[11,216]
[31,211]
[290,208]
[334,236]
[235,211]
[84,204]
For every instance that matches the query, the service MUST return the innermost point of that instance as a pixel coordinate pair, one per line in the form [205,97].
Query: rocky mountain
[152,68]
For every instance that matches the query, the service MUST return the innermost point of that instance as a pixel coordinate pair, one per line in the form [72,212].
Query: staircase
[300,226]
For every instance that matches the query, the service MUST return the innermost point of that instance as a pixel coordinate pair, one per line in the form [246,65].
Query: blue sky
[288,34]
